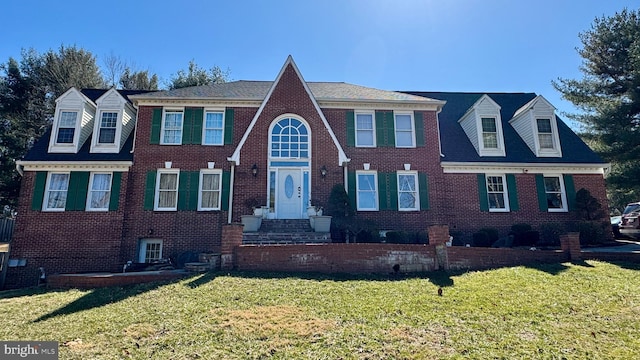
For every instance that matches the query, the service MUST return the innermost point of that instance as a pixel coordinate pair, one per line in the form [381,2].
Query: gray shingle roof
[257,90]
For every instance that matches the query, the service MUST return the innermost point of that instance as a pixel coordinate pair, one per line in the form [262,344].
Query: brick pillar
[438,237]
[570,245]
[231,239]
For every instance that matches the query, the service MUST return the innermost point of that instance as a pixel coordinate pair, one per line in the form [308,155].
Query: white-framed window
[99,192]
[150,250]
[56,192]
[66,127]
[290,138]
[209,193]
[213,127]
[365,129]
[408,191]
[107,130]
[172,121]
[545,134]
[497,193]
[367,190]
[489,133]
[167,190]
[405,131]
[556,195]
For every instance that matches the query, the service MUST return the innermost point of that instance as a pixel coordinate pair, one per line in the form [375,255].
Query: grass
[588,310]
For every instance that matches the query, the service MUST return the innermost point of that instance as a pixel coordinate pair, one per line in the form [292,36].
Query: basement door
[289,194]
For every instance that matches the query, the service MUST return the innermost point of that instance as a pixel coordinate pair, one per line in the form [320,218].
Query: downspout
[19,168]
[231,181]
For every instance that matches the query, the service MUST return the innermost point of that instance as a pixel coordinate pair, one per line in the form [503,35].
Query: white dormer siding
[68,134]
[483,125]
[114,122]
[536,124]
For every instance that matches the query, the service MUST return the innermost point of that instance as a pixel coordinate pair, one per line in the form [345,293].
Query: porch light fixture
[323,172]
[254,170]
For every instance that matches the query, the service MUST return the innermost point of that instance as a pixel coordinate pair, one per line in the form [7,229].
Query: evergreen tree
[196,76]
[138,80]
[609,97]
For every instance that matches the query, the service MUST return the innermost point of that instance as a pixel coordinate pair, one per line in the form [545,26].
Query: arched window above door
[289,139]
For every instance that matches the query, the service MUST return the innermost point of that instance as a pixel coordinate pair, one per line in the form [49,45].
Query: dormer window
[545,134]
[489,133]
[107,131]
[66,127]
[483,125]
[537,125]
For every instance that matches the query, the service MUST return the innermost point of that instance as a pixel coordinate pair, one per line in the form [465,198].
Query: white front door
[289,194]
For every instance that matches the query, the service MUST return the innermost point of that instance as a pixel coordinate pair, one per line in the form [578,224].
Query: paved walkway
[626,246]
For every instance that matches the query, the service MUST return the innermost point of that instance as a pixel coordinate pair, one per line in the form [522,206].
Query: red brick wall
[337,258]
[463,258]
[70,241]
[462,209]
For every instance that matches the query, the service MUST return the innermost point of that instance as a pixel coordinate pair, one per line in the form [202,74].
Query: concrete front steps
[287,231]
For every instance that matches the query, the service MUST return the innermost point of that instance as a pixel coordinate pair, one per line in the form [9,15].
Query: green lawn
[589,310]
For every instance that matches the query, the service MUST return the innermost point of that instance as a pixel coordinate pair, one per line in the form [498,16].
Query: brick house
[132,176]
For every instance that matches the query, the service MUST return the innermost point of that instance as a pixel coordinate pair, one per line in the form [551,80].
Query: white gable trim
[342,157]
[78,92]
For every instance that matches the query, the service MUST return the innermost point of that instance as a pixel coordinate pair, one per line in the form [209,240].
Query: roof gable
[288,67]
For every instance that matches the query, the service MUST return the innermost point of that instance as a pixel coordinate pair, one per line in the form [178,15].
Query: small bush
[550,234]
[591,232]
[493,234]
[407,237]
[367,236]
[520,228]
[481,239]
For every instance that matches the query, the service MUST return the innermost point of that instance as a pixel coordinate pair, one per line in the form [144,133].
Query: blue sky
[429,45]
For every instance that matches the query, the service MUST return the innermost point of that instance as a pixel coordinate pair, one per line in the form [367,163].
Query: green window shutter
[391,129]
[570,189]
[351,189]
[351,128]
[187,125]
[380,128]
[226,183]
[513,193]
[228,126]
[38,190]
[423,186]
[150,190]
[382,191]
[194,183]
[393,191]
[419,125]
[114,199]
[196,135]
[542,194]
[482,192]
[77,191]
[156,125]
[183,190]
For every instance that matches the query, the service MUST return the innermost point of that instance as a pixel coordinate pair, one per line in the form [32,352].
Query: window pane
[168,181]
[57,191]
[544,126]
[490,140]
[65,136]
[109,119]
[552,184]
[489,124]
[366,191]
[68,119]
[364,121]
[407,194]
[403,122]
[214,120]
[546,141]
[107,136]
[496,192]
[404,139]
[365,138]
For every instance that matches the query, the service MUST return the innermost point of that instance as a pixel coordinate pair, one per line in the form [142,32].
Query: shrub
[407,237]
[368,236]
[493,234]
[458,238]
[519,228]
[481,239]
[591,232]
[550,234]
